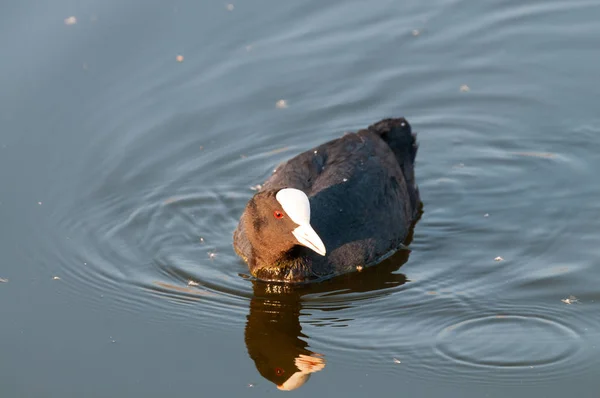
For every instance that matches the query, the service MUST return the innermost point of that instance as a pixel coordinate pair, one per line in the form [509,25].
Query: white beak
[306,236]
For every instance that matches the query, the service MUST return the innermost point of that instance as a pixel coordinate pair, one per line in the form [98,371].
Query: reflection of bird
[273,334]
[346,204]
[275,341]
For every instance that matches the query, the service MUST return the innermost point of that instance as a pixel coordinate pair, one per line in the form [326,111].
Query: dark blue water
[124,170]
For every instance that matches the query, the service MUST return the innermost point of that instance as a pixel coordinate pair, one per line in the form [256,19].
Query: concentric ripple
[504,341]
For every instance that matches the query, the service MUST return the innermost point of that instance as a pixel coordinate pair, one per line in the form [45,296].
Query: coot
[344,205]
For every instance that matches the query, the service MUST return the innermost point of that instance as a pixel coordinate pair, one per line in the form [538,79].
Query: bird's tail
[398,134]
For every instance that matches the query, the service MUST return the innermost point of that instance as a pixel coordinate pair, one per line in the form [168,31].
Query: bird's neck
[287,266]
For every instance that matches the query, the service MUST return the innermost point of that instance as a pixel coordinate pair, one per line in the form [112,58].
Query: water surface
[123,172]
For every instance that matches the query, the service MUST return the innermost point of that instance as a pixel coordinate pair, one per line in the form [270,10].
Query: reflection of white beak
[297,380]
[307,365]
[307,236]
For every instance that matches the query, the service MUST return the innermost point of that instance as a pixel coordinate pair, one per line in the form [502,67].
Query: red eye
[278,214]
[279,371]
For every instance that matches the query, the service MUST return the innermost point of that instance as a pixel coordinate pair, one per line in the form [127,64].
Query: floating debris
[486,215]
[345,179]
[40,203]
[193,291]
[359,268]
[212,255]
[71,20]
[256,187]
[55,278]
[281,104]
[179,58]
[416,32]
[498,259]
[3,280]
[464,88]
[396,360]
[543,155]
[230,7]
[192,283]
[279,150]
[570,300]
[201,240]
[170,200]
[250,385]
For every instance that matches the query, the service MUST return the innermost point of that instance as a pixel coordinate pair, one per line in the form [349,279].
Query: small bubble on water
[55,278]
[72,20]
[498,259]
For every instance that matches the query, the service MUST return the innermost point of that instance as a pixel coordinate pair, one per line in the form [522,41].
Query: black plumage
[363,199]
